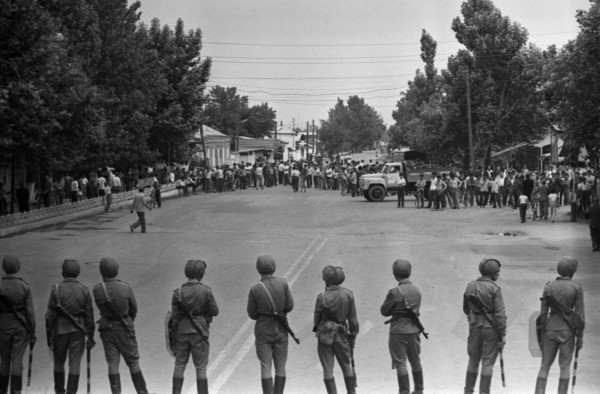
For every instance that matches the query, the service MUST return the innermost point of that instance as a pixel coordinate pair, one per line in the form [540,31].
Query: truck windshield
[390,169]
[385,169]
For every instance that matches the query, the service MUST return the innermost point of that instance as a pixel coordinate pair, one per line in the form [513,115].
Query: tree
[260,121]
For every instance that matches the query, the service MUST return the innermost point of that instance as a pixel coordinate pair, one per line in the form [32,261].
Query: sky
[299,56]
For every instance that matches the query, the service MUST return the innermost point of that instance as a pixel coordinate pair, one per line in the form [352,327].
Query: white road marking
[291,275]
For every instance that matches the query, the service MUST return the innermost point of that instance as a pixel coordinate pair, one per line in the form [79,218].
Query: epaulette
[349,291]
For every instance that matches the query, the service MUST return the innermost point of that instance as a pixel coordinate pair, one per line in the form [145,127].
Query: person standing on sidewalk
[15,331]
[595,224]
[335,312]
[69,302]
[486,337]
[138,206]
[192,308]
[562,324]
[270,296]
[404,342]
[401,190]
[118,308]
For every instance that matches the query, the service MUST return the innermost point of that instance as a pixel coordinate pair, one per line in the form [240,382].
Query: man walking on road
[193,307]
[484,306]
[404,341]
[562,320]
[335,313]
[17,325]
[138,206]
[269,297]
[118,308]
[69,320]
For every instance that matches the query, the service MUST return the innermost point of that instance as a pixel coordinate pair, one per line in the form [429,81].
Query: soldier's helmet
[109,268]
[265,264]
[194,269]
[70,268]
[11,264]
[340,277]
[401,268]
[567,266]
[329,274]
[489,267]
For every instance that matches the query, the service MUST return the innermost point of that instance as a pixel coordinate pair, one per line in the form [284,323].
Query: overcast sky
[300,55]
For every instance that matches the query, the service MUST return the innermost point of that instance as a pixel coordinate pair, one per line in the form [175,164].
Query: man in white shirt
[433,200]
[116,185]
[101,182]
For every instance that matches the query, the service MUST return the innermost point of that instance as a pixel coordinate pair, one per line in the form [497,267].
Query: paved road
[305,232]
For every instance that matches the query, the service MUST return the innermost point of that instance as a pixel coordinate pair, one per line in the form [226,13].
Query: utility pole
[203,144]
[314,139]
[306,140]
[470,129]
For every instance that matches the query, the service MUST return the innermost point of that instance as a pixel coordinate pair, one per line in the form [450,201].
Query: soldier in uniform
[17,325]
[336,305]
[560,336]
[486,339]
[193,300]
[404,342]
[271,295]
[69,302]
[118,309]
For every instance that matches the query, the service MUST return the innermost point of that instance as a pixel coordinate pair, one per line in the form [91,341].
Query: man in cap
[270,296]
[562,324]
[138,206]
[486,338]
[404,341]
[69,320]
[17,325]
[192,309]
[594,213]
[118,308]
[336,305]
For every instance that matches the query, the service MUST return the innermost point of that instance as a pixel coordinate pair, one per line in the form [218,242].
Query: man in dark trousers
[118,308]
[594,213]
[69,320]
[23,198]
[335,310]
[404,342]
[527,186]
[138,206]
[486,338]
[271,295]
[561,324]
[192,301]
[17,325]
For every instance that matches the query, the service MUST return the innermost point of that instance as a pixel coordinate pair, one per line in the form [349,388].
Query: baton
[352,363]
[89,357]
[502,369]
[30,363]
[575,370]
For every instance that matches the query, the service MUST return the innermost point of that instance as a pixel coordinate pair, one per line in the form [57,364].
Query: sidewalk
[38,218]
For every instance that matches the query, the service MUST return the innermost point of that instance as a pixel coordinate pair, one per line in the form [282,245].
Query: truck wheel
[376,193]
[366,195]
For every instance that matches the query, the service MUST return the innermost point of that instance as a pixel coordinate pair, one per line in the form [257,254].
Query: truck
[375,187]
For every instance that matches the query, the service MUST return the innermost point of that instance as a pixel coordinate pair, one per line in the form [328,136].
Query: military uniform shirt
[123,299]
[341,308]
[394,302]
[199,300]
[18,292]
[75,298]
[569,295]
[490,295]
[259,304]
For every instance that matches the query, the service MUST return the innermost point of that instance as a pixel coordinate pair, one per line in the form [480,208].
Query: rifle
[113,310]
[89,360]
[412,315]
[279,318]
[23,322]
[190,317]
[478,304]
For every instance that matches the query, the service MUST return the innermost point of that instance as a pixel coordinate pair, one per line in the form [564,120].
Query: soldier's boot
[484,384]
[16,384]
[470,381]
[115,383]
[59,382]
[330,386]
[177,385]
[279,384]
[72,384]
[404,384]
[267,385]
[540,386]
[139,383]
[563,386]
[4,384]
[350,384]
[418,381]
[202,385]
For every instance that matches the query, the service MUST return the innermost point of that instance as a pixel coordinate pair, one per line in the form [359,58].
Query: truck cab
[375,187]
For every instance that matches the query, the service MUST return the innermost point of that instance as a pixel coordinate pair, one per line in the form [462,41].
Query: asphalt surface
[305,232]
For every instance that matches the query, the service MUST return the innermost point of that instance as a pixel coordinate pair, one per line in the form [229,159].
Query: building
[290,138]
[252,149]
[217,146]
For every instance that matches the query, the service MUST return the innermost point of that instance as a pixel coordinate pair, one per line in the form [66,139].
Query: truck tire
[376,193]
[366,195]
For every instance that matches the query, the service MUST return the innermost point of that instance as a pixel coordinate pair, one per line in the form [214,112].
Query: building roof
[210,134]
[286,130]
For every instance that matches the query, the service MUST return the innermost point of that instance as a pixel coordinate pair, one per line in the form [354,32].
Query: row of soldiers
[70,326]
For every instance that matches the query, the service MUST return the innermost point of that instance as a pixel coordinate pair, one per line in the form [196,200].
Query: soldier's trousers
[73,345]
[403,347]
[553,343]
[196,346]
[119,343]
[272,350]
[340,349]
[482,346]
[13,343]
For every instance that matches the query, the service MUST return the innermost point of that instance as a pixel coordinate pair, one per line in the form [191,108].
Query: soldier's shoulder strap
[269,296]
[56,286]
[403,297]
